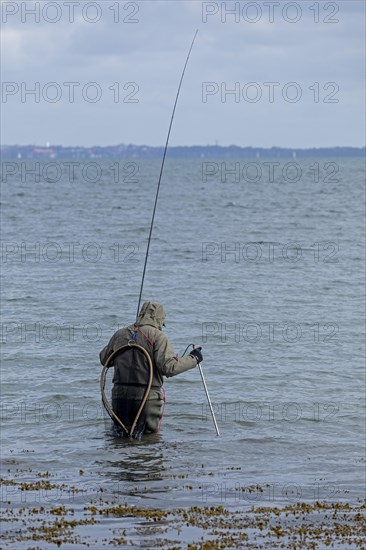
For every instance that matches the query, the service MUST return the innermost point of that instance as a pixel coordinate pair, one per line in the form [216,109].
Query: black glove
[196,353]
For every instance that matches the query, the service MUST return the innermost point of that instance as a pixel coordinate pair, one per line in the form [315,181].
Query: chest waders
[128,347]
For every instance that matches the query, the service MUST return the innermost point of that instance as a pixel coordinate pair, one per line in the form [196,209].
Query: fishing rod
[161,173]
[124,348]
[153,218]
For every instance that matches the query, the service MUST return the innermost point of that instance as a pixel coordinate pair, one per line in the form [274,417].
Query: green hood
[152,314]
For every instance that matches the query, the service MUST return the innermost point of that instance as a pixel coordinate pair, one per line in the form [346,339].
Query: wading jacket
[131,367]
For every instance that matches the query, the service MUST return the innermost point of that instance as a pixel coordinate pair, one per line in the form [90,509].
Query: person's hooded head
[153,314]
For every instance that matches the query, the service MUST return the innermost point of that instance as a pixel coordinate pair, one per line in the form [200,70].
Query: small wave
[232,204]
[20,299]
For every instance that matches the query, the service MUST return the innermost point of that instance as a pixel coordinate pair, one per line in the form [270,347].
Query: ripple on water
[289,410]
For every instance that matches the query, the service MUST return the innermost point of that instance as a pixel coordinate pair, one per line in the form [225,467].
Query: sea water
[260,262]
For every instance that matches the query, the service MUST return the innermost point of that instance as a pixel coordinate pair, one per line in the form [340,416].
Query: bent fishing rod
[105,401]
[153,218]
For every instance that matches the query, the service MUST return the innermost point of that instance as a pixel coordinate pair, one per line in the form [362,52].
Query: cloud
[151,54]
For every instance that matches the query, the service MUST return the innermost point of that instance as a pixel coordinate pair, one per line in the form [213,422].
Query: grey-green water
[266,275]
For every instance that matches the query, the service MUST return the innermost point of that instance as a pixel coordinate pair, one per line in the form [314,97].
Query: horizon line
[48,145]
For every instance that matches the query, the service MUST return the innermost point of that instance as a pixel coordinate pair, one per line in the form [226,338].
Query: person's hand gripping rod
[198,355]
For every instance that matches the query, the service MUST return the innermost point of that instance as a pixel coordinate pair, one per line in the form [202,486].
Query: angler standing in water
[131,369]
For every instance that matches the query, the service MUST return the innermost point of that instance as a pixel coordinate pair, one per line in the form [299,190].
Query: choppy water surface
[266,275]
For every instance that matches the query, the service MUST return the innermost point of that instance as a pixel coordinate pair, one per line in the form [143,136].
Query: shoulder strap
[146,336]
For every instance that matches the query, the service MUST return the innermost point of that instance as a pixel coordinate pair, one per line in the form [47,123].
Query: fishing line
[161,173]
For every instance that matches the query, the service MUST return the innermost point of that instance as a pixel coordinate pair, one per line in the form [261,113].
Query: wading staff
[208,399]
[161,173]
[153,217]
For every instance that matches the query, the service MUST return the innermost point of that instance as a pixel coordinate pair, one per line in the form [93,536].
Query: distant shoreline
[24,152]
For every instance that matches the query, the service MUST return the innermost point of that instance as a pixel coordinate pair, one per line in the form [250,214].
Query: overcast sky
[295,70]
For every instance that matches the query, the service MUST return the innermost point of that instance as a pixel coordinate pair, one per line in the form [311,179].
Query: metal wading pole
[209,400]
